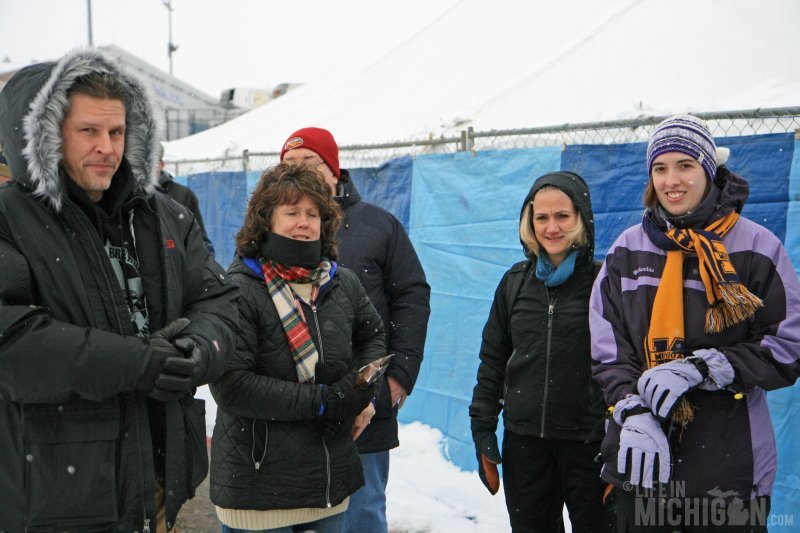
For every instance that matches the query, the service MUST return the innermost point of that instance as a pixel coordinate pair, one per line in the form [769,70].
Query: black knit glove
[330,429]
[329,372]
[342,400]
[487,451]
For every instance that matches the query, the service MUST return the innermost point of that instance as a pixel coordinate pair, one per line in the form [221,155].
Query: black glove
[191,352]
[487,451]
[168,374]
[330,429]
[342,400]
[329,372]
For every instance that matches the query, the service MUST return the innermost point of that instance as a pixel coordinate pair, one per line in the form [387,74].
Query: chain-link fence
[184,122]
[722,124]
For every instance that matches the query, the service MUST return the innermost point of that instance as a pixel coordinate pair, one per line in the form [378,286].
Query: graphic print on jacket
[126,268]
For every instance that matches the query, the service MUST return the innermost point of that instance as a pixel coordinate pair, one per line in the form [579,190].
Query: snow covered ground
[427,493]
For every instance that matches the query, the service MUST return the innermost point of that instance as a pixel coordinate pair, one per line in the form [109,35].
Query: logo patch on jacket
[170,244]
[643,270]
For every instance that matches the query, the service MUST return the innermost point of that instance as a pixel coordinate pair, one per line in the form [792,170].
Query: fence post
[467,141]
[245,160]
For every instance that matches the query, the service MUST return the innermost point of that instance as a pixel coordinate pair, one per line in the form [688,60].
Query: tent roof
[515,64]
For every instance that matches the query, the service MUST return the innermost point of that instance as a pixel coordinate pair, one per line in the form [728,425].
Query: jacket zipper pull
[550,314]
[146,528]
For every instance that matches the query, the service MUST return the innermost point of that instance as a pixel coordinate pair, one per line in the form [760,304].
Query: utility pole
[89,16]
[170,46]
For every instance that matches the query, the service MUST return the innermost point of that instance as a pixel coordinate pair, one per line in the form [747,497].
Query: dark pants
[636,513]
[541,475]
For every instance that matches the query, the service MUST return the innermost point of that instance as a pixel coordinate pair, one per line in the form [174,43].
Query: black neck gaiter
[291,252]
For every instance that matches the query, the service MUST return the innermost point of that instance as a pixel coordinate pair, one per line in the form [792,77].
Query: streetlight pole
[170,46]
[89,18]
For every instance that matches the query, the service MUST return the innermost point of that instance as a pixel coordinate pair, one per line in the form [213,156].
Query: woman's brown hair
[649,197]
[285,185]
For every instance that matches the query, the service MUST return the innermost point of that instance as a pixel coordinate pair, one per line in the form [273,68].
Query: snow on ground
[426,492]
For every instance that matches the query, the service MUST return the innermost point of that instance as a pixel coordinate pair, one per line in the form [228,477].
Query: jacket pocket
[194,419]
[70,468]
[523,393]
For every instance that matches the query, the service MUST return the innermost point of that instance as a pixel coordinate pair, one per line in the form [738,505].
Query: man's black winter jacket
[375,246]
[75,442]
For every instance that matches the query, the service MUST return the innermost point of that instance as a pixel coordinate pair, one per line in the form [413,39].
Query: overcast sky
[221,44]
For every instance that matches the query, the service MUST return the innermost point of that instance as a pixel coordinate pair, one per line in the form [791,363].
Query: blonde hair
[577,236]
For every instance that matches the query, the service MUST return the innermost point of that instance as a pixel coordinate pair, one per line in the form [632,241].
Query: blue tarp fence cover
[462,210]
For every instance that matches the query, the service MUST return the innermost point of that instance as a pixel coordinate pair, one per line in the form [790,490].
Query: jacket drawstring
[258,463]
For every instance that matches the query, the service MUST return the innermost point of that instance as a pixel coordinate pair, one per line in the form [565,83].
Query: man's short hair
[100,85]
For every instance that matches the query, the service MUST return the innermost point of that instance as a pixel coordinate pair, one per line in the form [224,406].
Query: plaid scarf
[729,301]
[277,278]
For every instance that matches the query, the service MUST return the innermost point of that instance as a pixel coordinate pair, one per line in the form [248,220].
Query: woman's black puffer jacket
[268,451]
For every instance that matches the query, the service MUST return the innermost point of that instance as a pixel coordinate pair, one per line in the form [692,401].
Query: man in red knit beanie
[317,147]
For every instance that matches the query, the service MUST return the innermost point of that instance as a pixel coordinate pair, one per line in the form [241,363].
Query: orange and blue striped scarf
[729,301]
[277,278]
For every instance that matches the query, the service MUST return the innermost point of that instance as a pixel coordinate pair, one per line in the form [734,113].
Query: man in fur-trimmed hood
[111,309]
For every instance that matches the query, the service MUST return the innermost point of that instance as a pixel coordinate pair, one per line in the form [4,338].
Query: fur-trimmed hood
[33,105]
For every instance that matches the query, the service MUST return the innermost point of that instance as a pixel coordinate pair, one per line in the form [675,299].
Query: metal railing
[722,124]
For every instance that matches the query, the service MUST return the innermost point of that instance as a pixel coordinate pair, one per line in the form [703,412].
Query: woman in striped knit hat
[694,316]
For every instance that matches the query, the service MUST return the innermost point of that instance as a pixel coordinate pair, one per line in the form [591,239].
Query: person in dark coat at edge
[376,247]
[536,368]
[694,316]
[283,456]
[183,195]
[111,309]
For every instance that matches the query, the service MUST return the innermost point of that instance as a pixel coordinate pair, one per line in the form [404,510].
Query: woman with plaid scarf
[694,316]
[283,454]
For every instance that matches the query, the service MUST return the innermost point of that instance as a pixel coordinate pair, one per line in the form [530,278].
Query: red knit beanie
[319,141]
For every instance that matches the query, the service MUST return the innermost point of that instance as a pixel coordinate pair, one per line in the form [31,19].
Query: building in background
[245,97]
[187,110]
[249,98]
